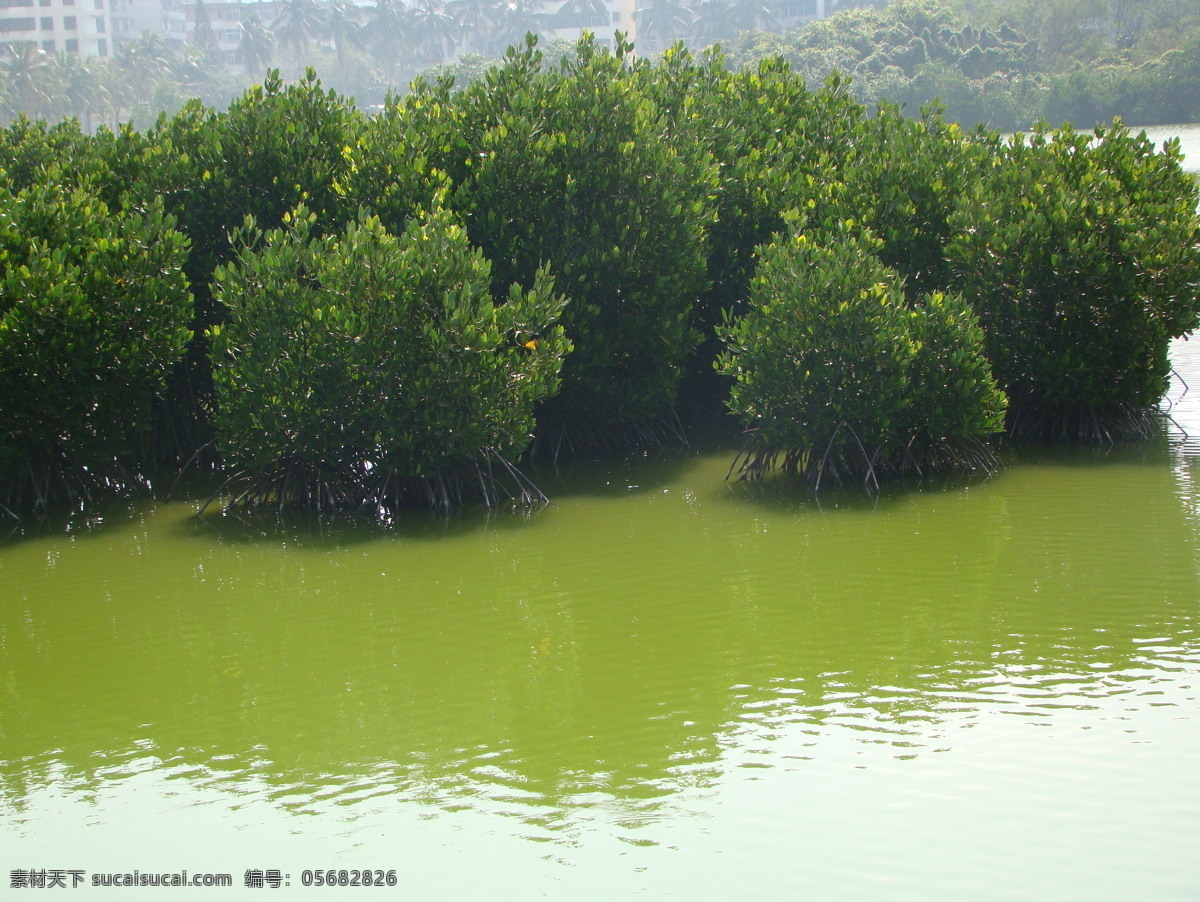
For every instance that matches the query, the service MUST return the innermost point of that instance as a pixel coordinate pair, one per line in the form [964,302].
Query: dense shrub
[1080,251]
[391,167]
[1005,64]
[377,349]
[779,147]
[93,314]
[837,373]
[35,152]
[567,167]
[363,369]
[275,147]
[909,175]
[911,51]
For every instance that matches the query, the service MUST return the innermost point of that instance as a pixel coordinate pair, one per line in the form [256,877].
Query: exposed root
[206,447]
[1175,374]
[376,491]
[51,484]
[580,440]
[850,460]
[1098,426]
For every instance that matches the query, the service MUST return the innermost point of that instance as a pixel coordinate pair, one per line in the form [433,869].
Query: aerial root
[362,489]
[1089,426]
[852,460]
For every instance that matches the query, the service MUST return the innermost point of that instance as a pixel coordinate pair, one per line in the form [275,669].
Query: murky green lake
[663,684]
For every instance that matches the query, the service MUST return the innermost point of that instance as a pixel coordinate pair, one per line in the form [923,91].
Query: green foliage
[954,398]
[277,146]
[1002,62]
[910,175]
[391,168]
[567,167]
[779,147]
[363,368]
[93,314]
[651,193]
[837,373]
[900,53]
[1161,90]
[1081,253]
[35,152]
[468,68]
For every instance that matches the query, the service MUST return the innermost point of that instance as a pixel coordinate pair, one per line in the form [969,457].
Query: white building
[225,17]
[130,18]
[794,13]
[73,26]
[570,26]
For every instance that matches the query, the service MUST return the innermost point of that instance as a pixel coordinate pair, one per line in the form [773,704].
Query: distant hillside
[1007,63]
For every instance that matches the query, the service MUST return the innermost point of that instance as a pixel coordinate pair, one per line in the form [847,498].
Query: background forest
[1006,63]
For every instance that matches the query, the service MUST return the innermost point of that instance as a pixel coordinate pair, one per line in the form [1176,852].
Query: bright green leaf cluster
[568,167]
[277,146]
[366,360]
[836,372]
[1080,251]
[93,313]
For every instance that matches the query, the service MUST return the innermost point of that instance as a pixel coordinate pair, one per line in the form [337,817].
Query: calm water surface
[663,684]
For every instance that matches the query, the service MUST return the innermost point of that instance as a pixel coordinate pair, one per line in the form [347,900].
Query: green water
[663,684]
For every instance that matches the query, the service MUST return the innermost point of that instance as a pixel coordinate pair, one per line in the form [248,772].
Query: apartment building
[131,18]
[569,25]
[793,13]
[73,26]
[225,17]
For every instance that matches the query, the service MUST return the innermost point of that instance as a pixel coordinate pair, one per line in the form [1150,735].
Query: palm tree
[28,73]
[751,14]
[434,30]
[82,92]
[344,27]
[663,21]
[256,45]
[390,32]
[195,76]
[588,14]
[474,18]
[203,36]
[298,23]
[518,18]
[141,63]
[714,22]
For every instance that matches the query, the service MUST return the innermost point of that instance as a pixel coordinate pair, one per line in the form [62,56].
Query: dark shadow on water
[78,521]
[1154,452]
[615,476]
[612,476]
[318,530]
[340,529]
[795,495]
